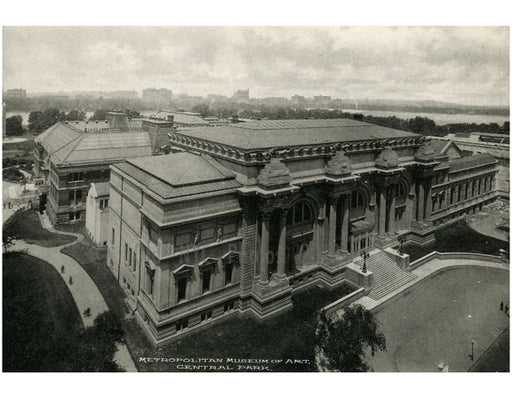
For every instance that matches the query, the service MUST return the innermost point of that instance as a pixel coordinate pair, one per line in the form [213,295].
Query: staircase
[387,275]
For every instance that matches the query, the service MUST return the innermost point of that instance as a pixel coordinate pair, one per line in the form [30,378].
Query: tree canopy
[345,341]
[13,125]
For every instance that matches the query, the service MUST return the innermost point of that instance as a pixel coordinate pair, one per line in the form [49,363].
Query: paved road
[82,287]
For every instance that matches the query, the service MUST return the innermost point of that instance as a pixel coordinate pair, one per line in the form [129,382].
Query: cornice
[261,156]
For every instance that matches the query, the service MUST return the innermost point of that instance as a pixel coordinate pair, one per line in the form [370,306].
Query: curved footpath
[82,288]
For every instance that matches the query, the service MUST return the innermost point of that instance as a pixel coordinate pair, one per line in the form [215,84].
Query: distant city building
[298,100]
[241,96]
[157,95]
[16,93]
[321,100]
[216,98]
[275,101]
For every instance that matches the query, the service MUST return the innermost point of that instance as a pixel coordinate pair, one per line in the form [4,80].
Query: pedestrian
[70,280]
[501,306]
[62,271]
[88,311]
[506,309]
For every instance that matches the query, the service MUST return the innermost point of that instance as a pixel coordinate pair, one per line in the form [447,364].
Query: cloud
[464,64]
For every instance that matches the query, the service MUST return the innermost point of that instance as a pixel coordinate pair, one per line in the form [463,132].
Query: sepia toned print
[256,199]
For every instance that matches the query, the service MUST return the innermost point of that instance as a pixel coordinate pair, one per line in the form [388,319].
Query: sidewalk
[83,289]
[424,271]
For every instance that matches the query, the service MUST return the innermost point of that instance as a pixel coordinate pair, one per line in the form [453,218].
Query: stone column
[409,206]
[344,225]
[421,204]
[382,211]
[265,219]
[332,226]
[321,230]
[281,251]
[392,200]
[428,207]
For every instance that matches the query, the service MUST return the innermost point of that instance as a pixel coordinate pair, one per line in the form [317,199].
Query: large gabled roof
[65,144]
[264,134]
[179,174]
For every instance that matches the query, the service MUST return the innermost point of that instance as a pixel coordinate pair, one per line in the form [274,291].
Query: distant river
[439,118]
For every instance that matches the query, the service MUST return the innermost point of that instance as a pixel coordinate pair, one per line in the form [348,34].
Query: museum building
[70,156]
[248,214]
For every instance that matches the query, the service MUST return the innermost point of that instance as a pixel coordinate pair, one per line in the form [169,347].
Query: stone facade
[290,217]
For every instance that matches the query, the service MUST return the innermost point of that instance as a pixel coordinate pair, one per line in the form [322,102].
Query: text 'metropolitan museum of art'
[238,218]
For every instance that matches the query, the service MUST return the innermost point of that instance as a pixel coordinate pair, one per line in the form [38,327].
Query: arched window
[300,213]
[401,192]
[356,199]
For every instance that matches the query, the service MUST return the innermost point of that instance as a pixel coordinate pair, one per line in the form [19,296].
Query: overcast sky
[453,64]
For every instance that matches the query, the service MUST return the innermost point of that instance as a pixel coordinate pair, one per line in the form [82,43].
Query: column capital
[334,199]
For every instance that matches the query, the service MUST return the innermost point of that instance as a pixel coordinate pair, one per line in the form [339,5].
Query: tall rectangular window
[134,261]
[182,288]
[150,280]
[130,257]
[228,273]
[113,235]
[207,277]
[126,252]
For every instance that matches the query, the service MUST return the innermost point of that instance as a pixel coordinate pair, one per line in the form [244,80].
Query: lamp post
[364,255]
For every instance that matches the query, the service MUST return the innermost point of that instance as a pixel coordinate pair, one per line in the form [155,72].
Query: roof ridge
[214,163]
[67,143]
[77,141]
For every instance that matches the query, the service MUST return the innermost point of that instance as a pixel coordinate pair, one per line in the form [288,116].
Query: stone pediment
[387,159]
[274,175]
[339,165]
[425,153]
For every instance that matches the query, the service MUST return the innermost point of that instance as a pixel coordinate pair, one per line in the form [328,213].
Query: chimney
[234,118]
[170,118]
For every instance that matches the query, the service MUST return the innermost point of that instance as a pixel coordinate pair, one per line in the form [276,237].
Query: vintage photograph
[255,199]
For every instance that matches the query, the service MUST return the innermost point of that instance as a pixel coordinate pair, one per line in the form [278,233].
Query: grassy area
[289,336]
[18,153]
[457,237]
[12,174]
[28,227]
[37,309]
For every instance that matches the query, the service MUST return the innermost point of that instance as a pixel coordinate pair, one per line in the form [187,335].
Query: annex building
[70,156]
[247,214]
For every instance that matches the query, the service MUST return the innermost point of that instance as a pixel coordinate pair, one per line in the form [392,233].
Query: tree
[39,121]
[202,109]
[75,115]
[344,342]
[9,235]
[13,125]
[100,114]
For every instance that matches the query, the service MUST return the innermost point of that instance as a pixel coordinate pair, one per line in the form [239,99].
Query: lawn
[38,310]
[436,320]
[457,237]
[289,337]
[28,227]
